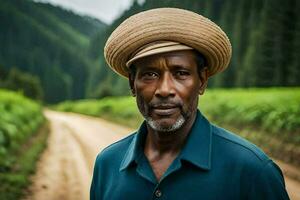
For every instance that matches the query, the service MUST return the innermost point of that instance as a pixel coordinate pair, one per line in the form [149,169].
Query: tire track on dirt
[65,168]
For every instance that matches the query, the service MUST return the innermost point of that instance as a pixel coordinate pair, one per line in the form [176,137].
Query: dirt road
[65,168]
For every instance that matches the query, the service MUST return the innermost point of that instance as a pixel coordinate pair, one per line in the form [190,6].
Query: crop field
[20,121]
[268,117]
[275,110]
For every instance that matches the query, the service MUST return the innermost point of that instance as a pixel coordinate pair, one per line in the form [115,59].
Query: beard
[186,111]
[165,128]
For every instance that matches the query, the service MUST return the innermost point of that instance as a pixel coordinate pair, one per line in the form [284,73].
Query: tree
[28,84]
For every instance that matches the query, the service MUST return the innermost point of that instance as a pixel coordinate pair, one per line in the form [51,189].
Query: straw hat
[163,30]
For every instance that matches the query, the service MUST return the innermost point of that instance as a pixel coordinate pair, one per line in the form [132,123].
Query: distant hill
[86,25]
[50,43]
[65,50]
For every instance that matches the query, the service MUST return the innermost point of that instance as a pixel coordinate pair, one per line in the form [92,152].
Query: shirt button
[158,193]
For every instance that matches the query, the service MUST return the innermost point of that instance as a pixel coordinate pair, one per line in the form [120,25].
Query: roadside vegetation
[23,134]
[268,117]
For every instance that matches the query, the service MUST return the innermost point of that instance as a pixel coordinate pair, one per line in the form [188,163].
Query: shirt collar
[197,149]
[135,148]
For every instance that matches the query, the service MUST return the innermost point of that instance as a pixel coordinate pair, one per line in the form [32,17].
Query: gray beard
[157,127]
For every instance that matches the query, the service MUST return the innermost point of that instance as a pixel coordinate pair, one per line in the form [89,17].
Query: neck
[168,142]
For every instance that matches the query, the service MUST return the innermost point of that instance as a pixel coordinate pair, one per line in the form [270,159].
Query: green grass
[268,117]
[20,118]
[122,110]
[276,110]
[14,181]
[21,141]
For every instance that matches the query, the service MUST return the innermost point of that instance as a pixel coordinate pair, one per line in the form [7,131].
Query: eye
[182,74]
[149,75]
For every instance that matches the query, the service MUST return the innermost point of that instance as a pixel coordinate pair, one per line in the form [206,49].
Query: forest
[63,52]
[264,35]
[49,43]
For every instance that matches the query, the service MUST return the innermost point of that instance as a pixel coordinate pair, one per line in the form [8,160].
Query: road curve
[65,168]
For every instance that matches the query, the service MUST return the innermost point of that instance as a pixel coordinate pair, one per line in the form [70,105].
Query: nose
[165,87]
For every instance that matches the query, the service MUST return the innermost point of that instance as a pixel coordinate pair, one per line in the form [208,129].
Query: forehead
[184,58]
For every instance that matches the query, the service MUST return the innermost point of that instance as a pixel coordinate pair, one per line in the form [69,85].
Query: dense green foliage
[26,83]
[119,109]
[13,183]
[264,35]
[65,50]
[267,117]
[275,110]
[50,43]
[20,144]
[19,119]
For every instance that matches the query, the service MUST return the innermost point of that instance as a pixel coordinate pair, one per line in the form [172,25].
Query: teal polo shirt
[214,164]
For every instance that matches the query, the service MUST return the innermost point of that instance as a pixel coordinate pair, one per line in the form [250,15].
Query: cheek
[145,91]
[144,94]
[189,94]
[188,90]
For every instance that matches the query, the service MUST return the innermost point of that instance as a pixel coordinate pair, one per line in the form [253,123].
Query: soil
[64,170]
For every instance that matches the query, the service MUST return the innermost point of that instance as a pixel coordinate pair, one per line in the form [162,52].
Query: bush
[21,141]
[275,110]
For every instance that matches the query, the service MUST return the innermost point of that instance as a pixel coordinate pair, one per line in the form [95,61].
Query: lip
[165,110]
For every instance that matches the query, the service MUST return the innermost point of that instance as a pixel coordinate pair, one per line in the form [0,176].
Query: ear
[203,76]
[131,84]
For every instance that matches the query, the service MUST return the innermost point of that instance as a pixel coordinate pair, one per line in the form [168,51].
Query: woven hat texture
[168,24]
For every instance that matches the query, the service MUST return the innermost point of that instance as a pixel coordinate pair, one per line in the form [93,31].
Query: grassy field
[23,134]
[268,117]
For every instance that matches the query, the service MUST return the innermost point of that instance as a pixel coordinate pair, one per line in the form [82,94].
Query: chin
[166,125]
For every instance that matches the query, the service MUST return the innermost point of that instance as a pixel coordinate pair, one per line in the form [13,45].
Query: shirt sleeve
[268,184]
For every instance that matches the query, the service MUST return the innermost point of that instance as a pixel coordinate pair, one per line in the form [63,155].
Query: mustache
[165,103]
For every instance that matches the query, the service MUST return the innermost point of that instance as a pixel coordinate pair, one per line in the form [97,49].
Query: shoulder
[115,151]
[107,165]
[237,150]
[250,163]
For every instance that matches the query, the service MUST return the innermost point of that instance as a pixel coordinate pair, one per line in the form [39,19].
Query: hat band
[156,48]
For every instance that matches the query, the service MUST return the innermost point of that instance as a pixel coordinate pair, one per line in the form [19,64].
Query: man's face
[167,88]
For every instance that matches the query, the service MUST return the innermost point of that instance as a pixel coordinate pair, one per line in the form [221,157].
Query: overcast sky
[105,10]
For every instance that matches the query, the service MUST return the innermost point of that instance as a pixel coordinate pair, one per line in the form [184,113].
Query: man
[168,54]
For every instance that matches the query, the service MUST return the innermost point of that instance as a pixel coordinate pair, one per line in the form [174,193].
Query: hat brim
[157,48]
[168,24]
